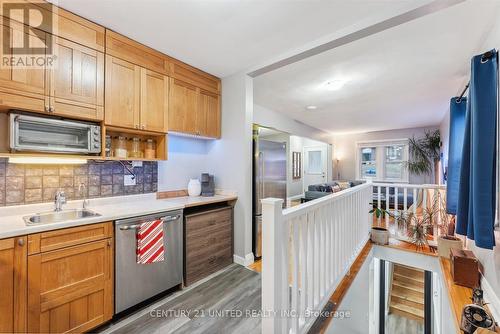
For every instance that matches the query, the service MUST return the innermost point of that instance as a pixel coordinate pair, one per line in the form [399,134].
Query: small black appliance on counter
[207,185]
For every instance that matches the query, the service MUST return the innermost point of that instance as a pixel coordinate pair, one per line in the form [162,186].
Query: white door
[315,165]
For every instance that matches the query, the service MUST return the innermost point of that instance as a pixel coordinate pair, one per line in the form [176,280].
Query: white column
[272,260]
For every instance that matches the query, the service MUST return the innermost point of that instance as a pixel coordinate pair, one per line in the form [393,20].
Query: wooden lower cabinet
[13,255]
[70,288]
[208,242]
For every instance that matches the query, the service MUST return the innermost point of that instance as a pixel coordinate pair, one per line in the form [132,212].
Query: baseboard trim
[491,298]
[248,260]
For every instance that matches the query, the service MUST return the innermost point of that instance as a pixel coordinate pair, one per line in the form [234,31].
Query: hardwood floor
[396,324]
[256,266]
[213,306]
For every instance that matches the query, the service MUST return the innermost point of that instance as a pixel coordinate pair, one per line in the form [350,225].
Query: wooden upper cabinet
[123,89]
[77,81]
[209,112]
[136,98]
[154,101]
[193,110]
[23,87]
[182,107]
[64,23]
[127,49]
[194,76]
[13,284]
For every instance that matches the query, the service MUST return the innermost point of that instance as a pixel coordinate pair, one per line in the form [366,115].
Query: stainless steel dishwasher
[134,282]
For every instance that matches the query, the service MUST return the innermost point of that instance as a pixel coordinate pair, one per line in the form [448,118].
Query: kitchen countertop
[110,209]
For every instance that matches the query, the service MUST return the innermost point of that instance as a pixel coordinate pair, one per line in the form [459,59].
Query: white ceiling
[223,37]
[400,78]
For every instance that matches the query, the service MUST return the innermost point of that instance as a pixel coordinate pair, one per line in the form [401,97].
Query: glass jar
[108,146]
[121,148]
[150,149]
[135,151]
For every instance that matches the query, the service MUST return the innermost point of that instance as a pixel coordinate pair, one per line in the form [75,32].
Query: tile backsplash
[27,184]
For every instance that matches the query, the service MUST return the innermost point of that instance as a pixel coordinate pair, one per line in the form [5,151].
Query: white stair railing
[307,250]
[416,198]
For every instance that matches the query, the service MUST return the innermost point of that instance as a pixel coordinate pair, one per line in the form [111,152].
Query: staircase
[407,293]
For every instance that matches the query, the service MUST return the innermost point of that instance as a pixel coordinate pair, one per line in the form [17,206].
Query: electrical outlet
[129,180]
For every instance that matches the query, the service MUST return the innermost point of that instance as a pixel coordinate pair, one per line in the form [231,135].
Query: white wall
[358,302]
[187,158]
[272,119]
[345,149]
[230,158]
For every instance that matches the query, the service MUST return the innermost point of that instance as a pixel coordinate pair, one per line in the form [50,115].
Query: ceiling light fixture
[335,84]
[311,107]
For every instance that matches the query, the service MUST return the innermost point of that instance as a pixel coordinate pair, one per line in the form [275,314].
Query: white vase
[194,187]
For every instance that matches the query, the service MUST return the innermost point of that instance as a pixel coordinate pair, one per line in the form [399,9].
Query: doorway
[315,165]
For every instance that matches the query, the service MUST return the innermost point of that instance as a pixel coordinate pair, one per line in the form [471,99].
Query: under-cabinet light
[47,161]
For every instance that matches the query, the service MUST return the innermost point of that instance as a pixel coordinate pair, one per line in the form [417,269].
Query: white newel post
[271,263]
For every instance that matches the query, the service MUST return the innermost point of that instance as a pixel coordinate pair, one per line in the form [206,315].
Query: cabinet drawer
[204,220]
[47,241]
[211,264]
[203,244]
[209,243]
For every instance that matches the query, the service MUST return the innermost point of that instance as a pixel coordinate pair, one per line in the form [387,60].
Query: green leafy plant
[424,153]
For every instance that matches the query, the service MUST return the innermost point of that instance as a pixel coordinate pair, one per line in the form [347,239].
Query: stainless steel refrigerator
[269,180]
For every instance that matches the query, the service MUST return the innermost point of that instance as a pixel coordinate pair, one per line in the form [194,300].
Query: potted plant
[379,235]
[447,239]
[436,215]
[425,154]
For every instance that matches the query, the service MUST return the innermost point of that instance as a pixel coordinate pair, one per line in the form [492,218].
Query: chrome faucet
[59,200]
[83,193]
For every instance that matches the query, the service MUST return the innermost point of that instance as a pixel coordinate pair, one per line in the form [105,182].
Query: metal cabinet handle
[109,243]
[163,219]
[47,109]
[129,227]
[143,127]
[170,218]
[20,242]
[52,109]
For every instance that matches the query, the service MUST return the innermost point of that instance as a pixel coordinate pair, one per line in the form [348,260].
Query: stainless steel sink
[59,216]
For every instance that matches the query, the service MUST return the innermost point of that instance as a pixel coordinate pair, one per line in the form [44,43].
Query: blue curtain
[476,195]
[455,144]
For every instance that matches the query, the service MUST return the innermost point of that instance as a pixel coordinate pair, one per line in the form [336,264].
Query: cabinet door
[71,289]
[209,114]
[182,107]
[77,81]
[23,87]
[123,89]
[13,282]
[154,101]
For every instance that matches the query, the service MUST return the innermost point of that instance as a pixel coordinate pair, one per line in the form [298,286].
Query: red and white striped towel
[150,247]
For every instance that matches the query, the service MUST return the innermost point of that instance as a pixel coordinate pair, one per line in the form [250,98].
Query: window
[394,163]
[314,162]
[383,160]
[368,162]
